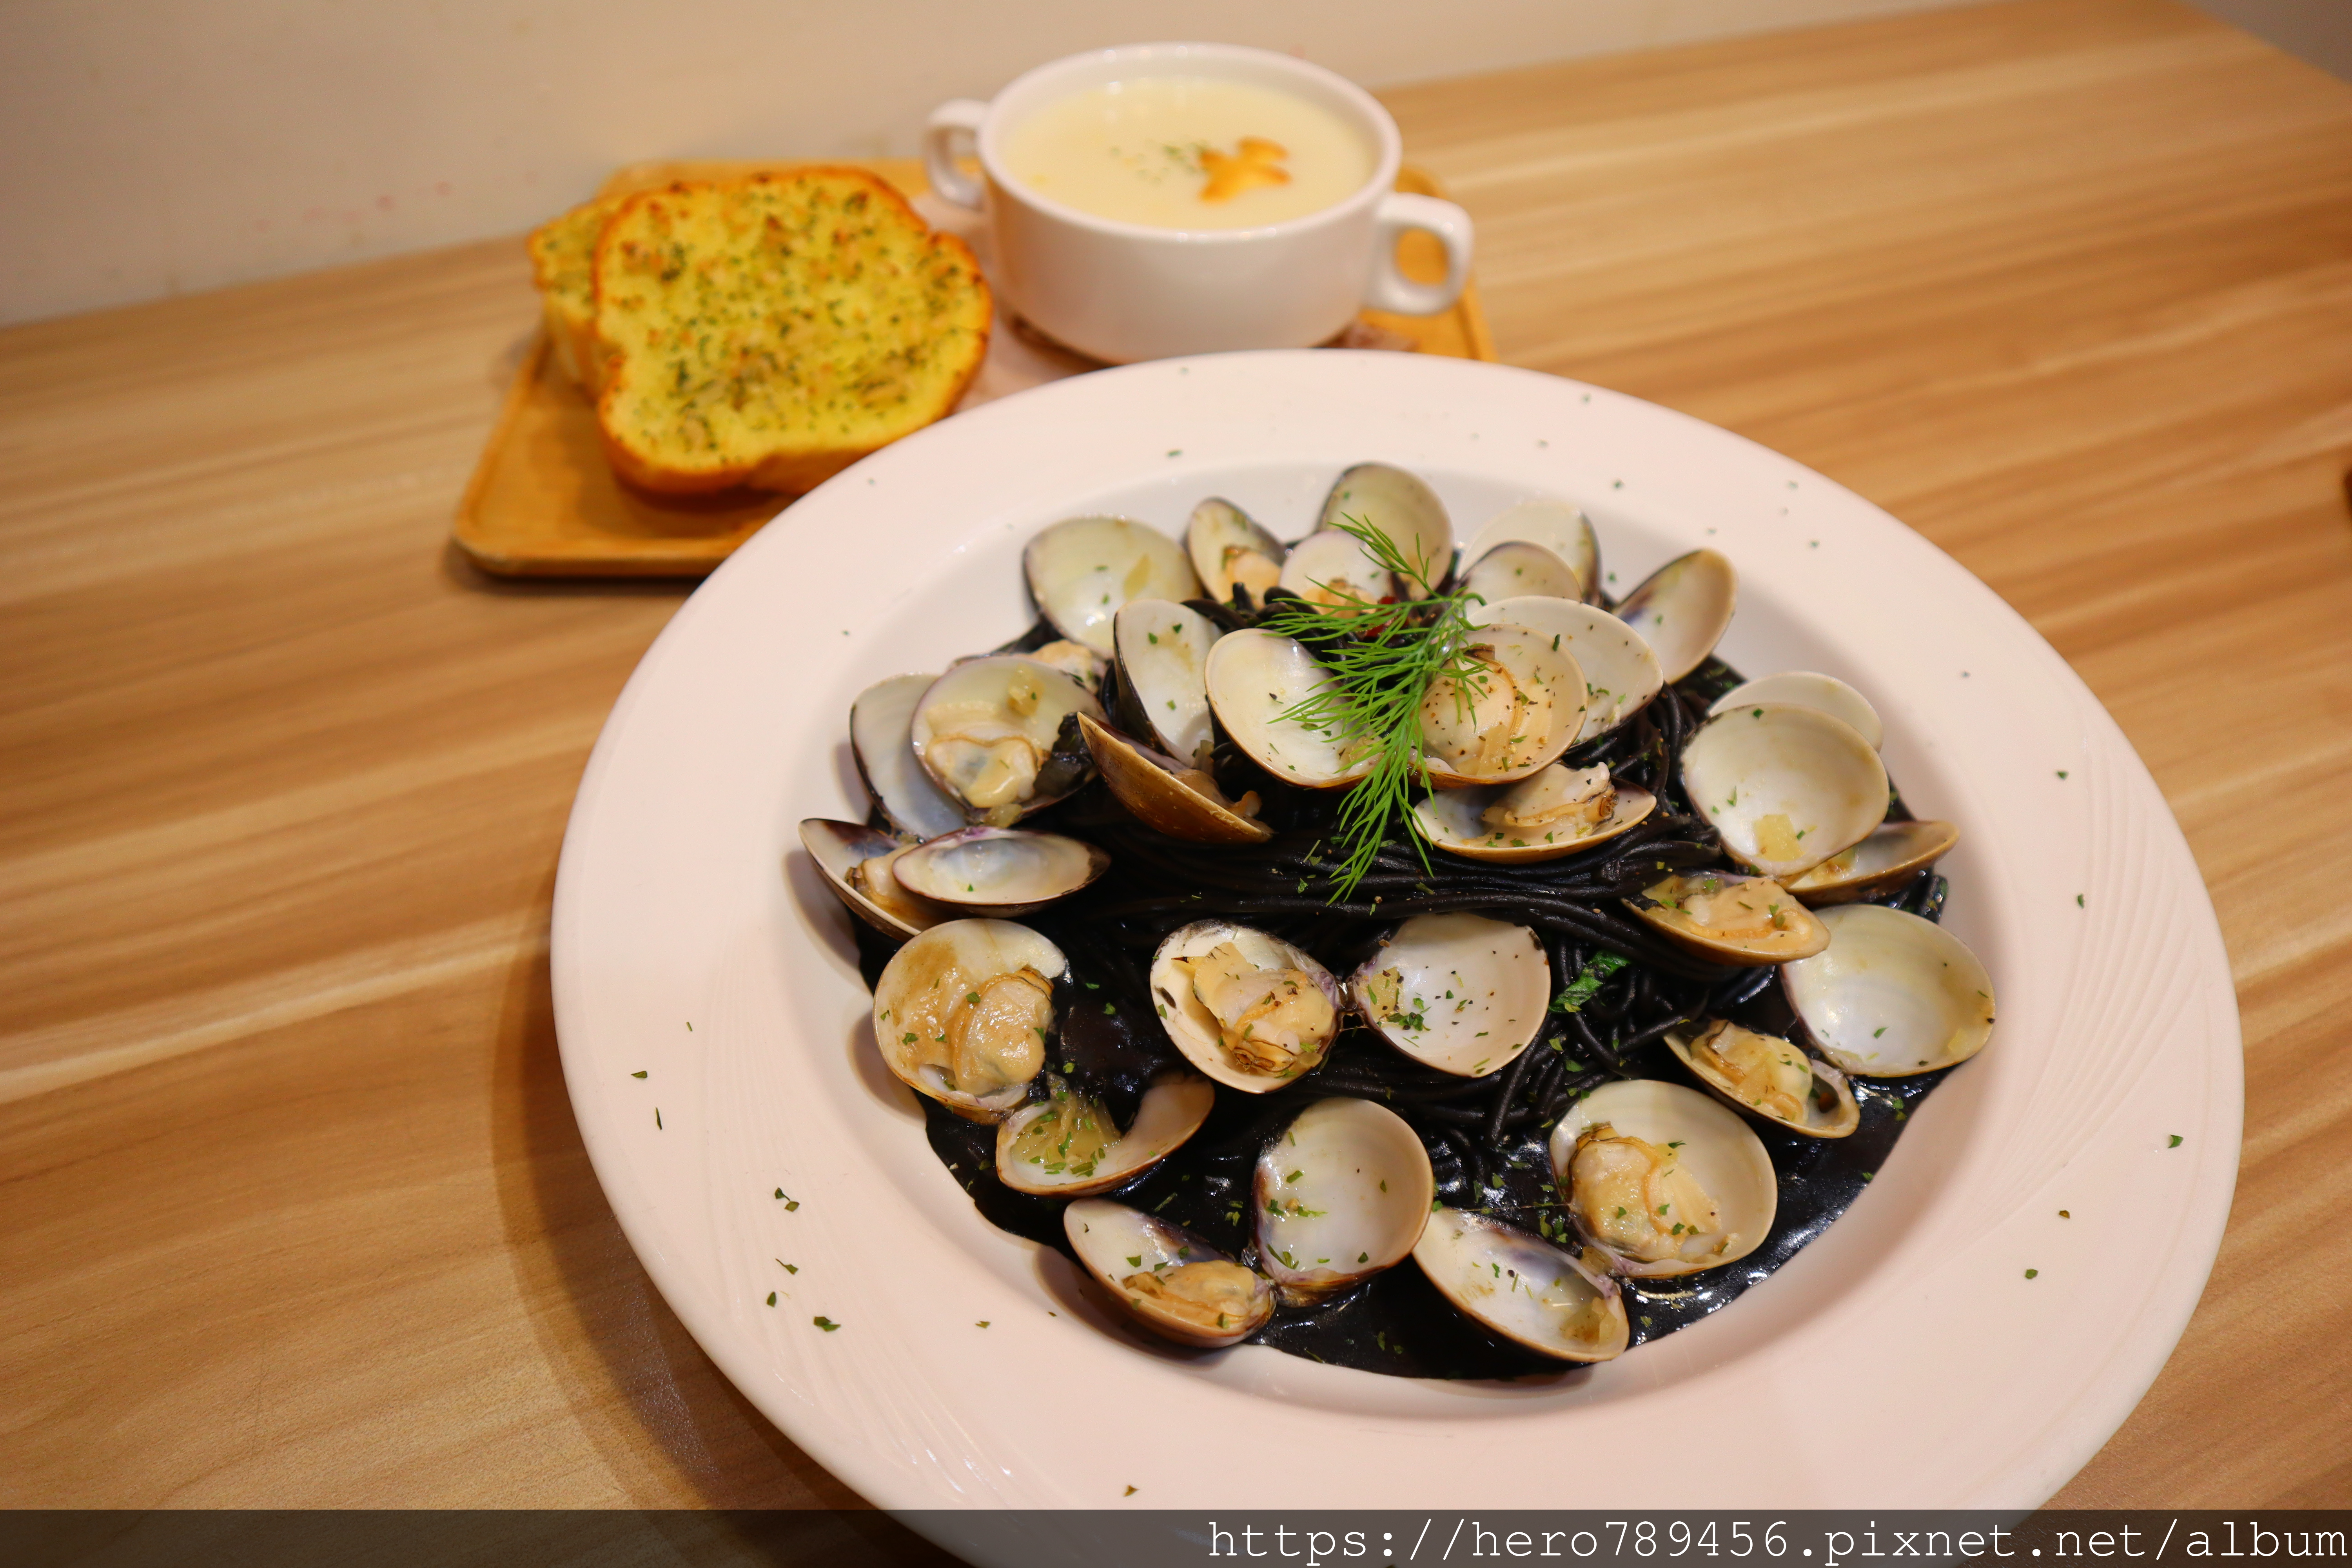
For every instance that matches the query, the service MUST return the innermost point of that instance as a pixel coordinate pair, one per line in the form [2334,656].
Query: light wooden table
[294,1207]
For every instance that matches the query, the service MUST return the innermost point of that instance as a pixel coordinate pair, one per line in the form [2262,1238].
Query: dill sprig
[1383,657]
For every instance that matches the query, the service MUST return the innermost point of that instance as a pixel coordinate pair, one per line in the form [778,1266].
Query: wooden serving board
[543,503]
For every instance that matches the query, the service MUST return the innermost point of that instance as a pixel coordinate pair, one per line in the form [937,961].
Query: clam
[1682,609]
[987,733]
[1516,568]
[1725,918]
[998,870]
[1523,1288]
[1804,688]
[1558,811]
[1229,550]
[1075,660]
[1254,678]
[1168,1281]
[1769,1077]
[1328,567]
[1066,1145]
[1622,676]
[1893,854]
[1462,993]
[1662,1180]
[1893,995]
[1082,571]
[1342,1195]
[855,862]
[1168,796]
[881,723]
[963,1011]
[1561,527]
[1163,686]
[1519,709]
[1242,1006]
[1786,788]
[1400,506]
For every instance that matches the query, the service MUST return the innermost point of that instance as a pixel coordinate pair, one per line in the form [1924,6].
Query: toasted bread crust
[563,264]
[769,331]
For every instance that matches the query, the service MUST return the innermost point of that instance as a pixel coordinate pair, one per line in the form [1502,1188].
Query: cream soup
[1189,153]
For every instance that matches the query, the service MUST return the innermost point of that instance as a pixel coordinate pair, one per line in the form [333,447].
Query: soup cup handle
[953,128]
[1398,215]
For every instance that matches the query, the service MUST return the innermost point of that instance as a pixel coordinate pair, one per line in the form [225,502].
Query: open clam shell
[1169,797]
[881,738]
[1517,568]
[1806,689]
[1247,1008]
[1622,676]
[1082,571]
[1523,1288]
[1163,655]
[1328,567]
[1561,527]
[963,1011]
[1341,1196]
[1228,549]
[1401,506]
[1663,1180]
[1893,854]
[1255,678]
[856,862]
[1523,708]
[1462,993]
[1769,1077]
[998,870]
[1893,995]
[1682,609]
[1456,820]
[1725,918]
[1168,1279]
[1786,788]
[1068,1146]
[986,733]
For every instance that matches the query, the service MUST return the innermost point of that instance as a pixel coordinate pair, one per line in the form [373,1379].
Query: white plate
[1902,1360]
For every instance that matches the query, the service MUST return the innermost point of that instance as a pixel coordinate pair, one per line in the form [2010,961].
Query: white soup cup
[1124,291]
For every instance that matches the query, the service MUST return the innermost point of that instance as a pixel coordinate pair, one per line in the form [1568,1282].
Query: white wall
[150,147]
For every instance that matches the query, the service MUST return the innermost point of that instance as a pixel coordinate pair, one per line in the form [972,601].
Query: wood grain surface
[294,1209]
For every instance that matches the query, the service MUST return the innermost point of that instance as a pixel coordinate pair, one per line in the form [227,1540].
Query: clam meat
[1247,1008]
[988,733]
[1726,918]
[855,862]
[1168,1279]
[963,1012]
[1622,676]
[1556,812]
[1767,1077]
[1516,705]
[1663,1180]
